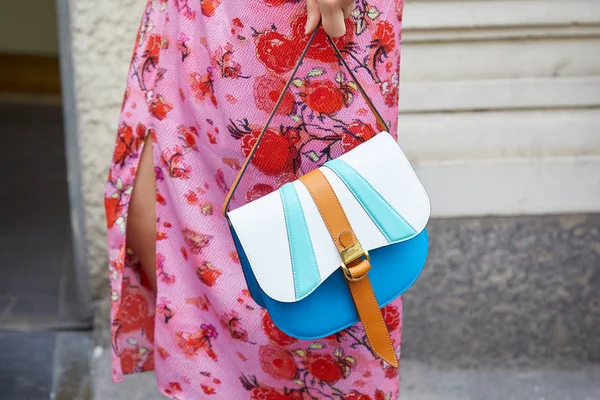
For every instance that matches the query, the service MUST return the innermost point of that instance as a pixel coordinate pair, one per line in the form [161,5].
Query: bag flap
[286,241]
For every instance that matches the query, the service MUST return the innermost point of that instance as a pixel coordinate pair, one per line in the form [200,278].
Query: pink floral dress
[204,76]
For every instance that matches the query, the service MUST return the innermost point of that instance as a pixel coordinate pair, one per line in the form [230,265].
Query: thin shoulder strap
[380,122]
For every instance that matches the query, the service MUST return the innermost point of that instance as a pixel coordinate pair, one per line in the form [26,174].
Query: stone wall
[103,35]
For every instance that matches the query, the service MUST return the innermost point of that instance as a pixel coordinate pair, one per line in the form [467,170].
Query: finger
[348,8]
[333,18]
[313,15]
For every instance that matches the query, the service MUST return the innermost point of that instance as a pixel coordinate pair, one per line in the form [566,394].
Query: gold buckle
[351,254]
[349,276]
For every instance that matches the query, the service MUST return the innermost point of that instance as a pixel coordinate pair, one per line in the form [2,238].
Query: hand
[331,12]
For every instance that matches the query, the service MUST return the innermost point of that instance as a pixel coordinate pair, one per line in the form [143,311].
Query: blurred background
[500,114]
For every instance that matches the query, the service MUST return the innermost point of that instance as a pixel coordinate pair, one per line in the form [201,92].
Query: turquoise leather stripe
[304,262]
[388,220]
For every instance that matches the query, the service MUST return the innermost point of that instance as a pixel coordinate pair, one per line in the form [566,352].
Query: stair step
[419,381]
[422,381]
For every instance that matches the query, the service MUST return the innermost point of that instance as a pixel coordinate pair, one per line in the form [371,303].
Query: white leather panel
[368,234]
[260,226]
[383,164]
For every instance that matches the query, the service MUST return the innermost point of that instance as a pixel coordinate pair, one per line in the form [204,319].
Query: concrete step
[422,381]
[419,381]
[499,290]
[45,365]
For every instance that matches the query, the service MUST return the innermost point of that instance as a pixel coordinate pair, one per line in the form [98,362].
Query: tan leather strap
[344,237]
[380,122]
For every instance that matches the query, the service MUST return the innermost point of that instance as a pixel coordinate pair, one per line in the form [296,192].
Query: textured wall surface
[103,35]
[507,290]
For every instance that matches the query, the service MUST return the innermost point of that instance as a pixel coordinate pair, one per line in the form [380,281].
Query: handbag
[339,243]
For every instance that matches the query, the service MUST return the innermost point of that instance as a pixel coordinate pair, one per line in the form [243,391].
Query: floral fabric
[203,77]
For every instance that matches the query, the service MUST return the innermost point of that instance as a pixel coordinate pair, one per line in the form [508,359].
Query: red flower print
[385,36]
[324,97]
[336,336]
[200,302]
[113,208]
[275,3]
[275,334]
[232,163]
[209,7]
[379,395]
[160,200]
[237,23]
[207,274]
[163,353]
[356,396]
[231,322]
[192,344]
[356,133]
[391,372]
[223,58]
[196,241]
[277,362]
[285,178]
[320,48]
[211,353]
[399,8]
[184,8]
[276,51]
[148,328]
[220,179]
[267,393]
[267,89]
[257,191]
[274,155]
[208,390]
[183,46]
[134,310]
[234,256]
[174,161]
[189,136]
[128,142]
[154,45]
[163,308]
[391,316]
[389,90]
[130,359]
[174,387]
[191,197]
[202,86]
[184,253]
[324,367]
[159,107]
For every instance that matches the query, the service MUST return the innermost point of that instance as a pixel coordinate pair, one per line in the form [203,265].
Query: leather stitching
[355,287]
[287,228]
[338,205]
[385,303]
[312,250]
[379,196]
[380,318]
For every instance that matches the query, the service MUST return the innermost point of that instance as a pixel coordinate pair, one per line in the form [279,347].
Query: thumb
[313,16]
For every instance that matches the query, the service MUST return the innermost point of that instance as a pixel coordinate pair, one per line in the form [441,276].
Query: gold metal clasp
[353,253]
[349,276]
